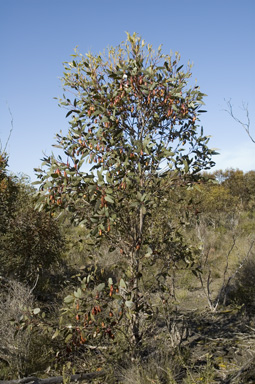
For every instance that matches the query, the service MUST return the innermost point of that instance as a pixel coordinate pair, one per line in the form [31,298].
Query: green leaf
[78,293]
[129,303]
[109,190]
[197,187]
[56,333]
[36,311]
[149,252]
[122,284]
[69,113]
[109,199]
[139,196]
[100,177]
[68,299]
[100,287]
[68,337]
[186,166]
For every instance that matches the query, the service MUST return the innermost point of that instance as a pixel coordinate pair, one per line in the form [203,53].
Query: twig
[246,126]
[244,368]
[35,284]
[8,139]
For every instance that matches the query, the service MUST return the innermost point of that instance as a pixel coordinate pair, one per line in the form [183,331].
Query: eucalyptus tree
[134,132]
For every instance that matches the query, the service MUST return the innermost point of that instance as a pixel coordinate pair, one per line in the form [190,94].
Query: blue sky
[37,36]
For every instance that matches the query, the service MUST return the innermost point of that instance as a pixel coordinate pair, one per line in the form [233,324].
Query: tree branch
[246,126]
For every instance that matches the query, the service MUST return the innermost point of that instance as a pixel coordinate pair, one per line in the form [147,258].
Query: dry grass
[15,345]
